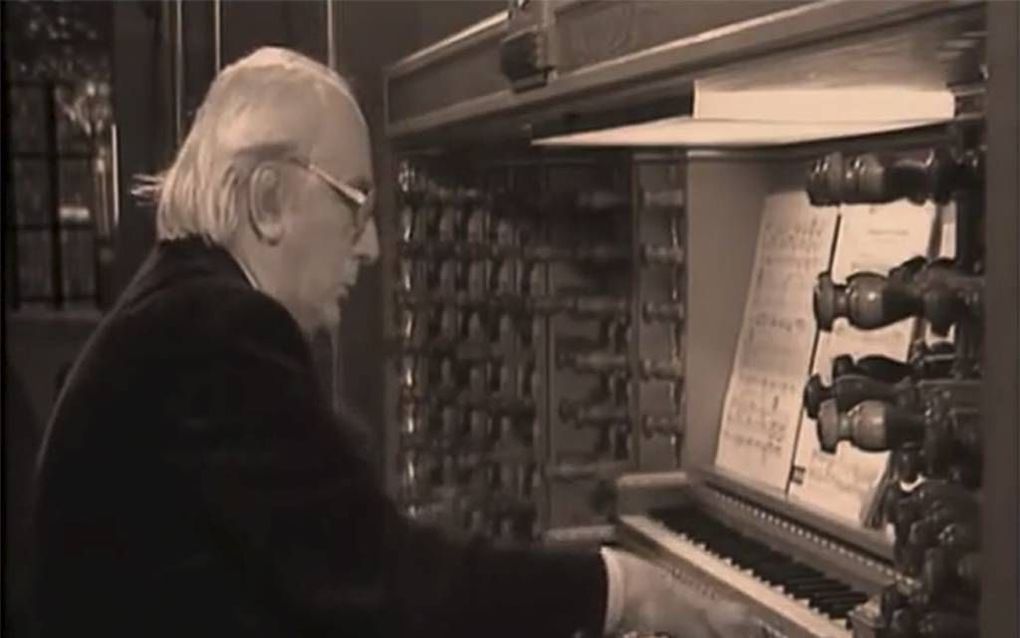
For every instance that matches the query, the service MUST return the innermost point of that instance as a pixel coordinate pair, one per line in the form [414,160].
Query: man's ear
[265,202]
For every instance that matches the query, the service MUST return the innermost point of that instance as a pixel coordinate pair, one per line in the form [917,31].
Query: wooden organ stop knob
[664,311]
[873,426]
[664,369]
[924,362]
[871,179]
[874,366]
[935,291]
[597,362]
[867,300]
[594,415]
[847,391]
[664,255]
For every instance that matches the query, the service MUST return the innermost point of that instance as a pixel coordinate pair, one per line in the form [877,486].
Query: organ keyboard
[799,581]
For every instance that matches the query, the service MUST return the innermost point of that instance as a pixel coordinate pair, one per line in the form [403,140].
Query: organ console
[621,292]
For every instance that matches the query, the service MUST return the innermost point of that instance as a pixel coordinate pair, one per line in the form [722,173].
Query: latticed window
[58,208]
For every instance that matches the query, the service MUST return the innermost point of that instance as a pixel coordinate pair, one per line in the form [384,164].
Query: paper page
[688,131]
[871,238]
[763,401]
[823,105]
[947,224]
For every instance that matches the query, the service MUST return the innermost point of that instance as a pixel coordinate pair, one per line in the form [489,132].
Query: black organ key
[798,580]
[821,587]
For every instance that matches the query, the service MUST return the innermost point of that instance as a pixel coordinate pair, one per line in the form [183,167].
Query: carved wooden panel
[296,25]
[467,74]
[592,32]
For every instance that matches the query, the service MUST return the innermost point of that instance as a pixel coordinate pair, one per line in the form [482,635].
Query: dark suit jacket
[194,482]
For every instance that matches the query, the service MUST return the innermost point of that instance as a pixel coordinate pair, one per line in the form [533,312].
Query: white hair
[256,108]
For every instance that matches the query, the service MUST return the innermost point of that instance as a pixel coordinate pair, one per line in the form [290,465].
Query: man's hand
[656,603]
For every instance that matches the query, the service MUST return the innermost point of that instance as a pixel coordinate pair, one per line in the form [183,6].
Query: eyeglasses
[359,200]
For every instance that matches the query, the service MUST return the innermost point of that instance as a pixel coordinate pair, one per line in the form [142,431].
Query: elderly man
[194,481]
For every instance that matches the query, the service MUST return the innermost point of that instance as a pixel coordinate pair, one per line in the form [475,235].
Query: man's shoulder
[216,307]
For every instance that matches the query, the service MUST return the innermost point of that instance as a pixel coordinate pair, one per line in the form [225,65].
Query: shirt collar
[247,273]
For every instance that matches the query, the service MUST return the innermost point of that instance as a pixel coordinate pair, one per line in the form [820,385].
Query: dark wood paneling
[433,87]
[439,20]
[144,113]
[999,593]
[659,71]
[199,55]
[249,24]
[593,32]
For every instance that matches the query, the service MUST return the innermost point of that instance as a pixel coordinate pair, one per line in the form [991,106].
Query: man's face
[328,237]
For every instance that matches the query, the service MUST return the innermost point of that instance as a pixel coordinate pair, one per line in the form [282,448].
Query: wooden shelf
[838,42]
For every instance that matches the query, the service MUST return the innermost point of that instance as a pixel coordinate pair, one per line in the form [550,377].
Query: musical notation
[762,407]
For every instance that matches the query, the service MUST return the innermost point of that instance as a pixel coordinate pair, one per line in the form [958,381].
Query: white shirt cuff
[615,592]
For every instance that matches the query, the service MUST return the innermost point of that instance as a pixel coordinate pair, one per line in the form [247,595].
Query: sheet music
[763,401]
[871,238]
[947,224]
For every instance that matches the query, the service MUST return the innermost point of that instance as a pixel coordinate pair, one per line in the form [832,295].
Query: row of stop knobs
[924,410]
[422,472]
[930,421]
[431,213]
[467,423]
[500,322]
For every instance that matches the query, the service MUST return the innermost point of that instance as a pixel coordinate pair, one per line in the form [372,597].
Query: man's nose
[367,248]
